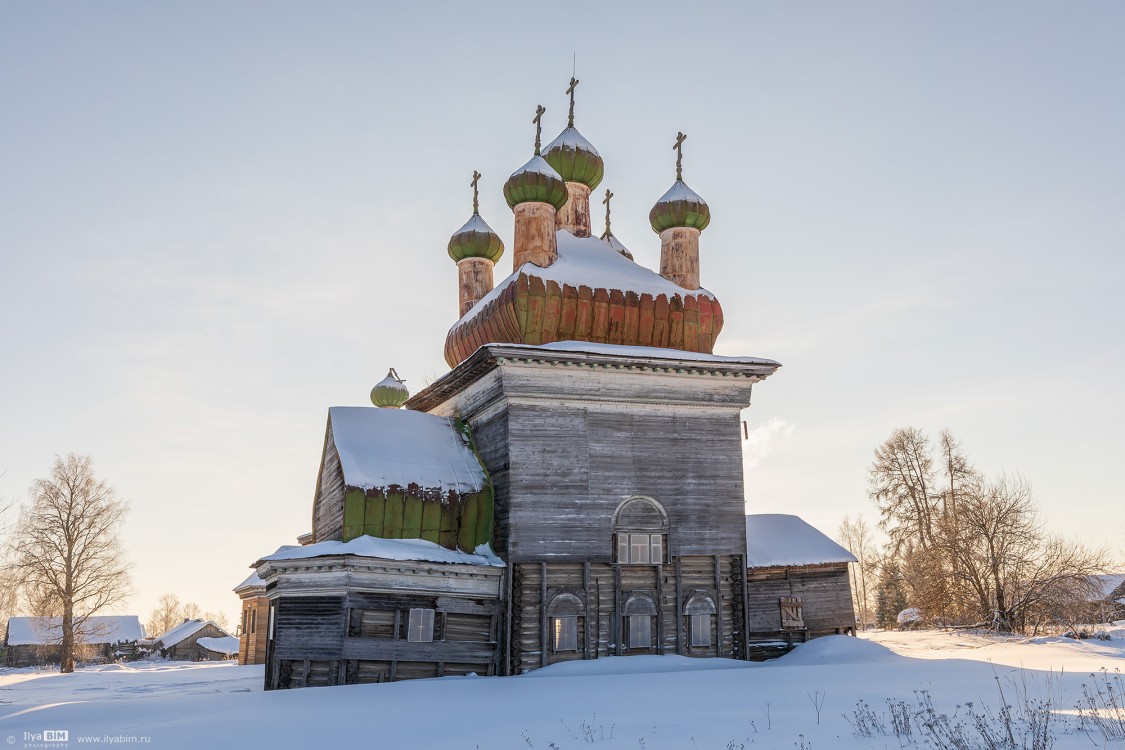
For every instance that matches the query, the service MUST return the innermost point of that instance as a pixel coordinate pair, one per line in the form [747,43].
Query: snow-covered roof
[780,540]
[650,352]
[41,631]
[184,630]
[591,262]
[390,549]
[382,447]
[227,645]
[253,580]
[1108,584]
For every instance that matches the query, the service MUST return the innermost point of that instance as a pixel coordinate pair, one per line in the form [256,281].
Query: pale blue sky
[219,219]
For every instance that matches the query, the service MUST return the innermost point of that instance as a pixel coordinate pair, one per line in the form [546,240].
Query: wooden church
[571,489]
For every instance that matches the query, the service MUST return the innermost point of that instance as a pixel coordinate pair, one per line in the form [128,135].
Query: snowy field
[806,700]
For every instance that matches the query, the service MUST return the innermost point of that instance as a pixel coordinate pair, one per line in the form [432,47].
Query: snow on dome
[389,549]
[575,158]
[536,181]
[911,616]
[779,540]
[679,207]
[475,240]
[384,447]
[390,392]
[42,631]
[227,645]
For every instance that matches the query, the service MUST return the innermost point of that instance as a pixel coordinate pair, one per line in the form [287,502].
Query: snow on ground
[645,702]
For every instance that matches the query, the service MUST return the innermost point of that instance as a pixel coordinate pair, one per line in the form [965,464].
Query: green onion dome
[535,181]
[616,246]
[679,207]
[389,393]
[475,240]
[575,158]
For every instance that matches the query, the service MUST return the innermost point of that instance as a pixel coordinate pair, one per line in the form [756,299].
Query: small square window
[566,633]
[700,630]
[640,631]
[420,626]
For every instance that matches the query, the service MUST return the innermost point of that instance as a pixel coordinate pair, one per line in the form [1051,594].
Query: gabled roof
[1108,585]
[183,630]
[43,631]
[383,447]
[254,581]
[776,540]
[226,645]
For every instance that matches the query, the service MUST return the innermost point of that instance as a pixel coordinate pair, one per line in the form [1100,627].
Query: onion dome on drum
[476,240]
[535,181]
[390,392]
[572,156]
[575,158]
[679,207]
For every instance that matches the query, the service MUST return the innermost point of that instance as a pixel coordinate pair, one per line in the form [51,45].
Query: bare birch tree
[167,615]
[856,536]
[66,549]
[901,483]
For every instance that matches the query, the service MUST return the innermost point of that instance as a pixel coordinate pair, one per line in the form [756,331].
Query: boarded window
[420,626]
[465,627]
[373,623]
[792,615]
[566,633]
[640,631]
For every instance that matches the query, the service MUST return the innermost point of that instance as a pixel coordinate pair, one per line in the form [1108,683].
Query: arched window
[640,618]
[640,529]
[565,613]
[699,611]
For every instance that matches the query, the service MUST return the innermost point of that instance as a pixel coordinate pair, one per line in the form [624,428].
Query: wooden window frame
[559,632]
[700,626]
[424,626]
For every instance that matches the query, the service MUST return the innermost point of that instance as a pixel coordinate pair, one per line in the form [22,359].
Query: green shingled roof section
[528,187]
[679,213]
[577,165]
[475,244]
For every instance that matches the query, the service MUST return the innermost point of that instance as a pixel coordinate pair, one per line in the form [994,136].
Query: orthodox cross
[573,85]
[608,195]
[476,179]
[679,149]
[394,375]
[538,120]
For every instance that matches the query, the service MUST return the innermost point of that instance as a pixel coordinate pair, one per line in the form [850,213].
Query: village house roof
[227,645]
[182,631]
[1108,585]
[775,540]
[98,629]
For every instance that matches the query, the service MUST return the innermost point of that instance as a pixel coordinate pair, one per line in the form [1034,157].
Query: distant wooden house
[34,641]
[182,643]
[1107,602]
[254,617]
[797,585]
[219,648]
